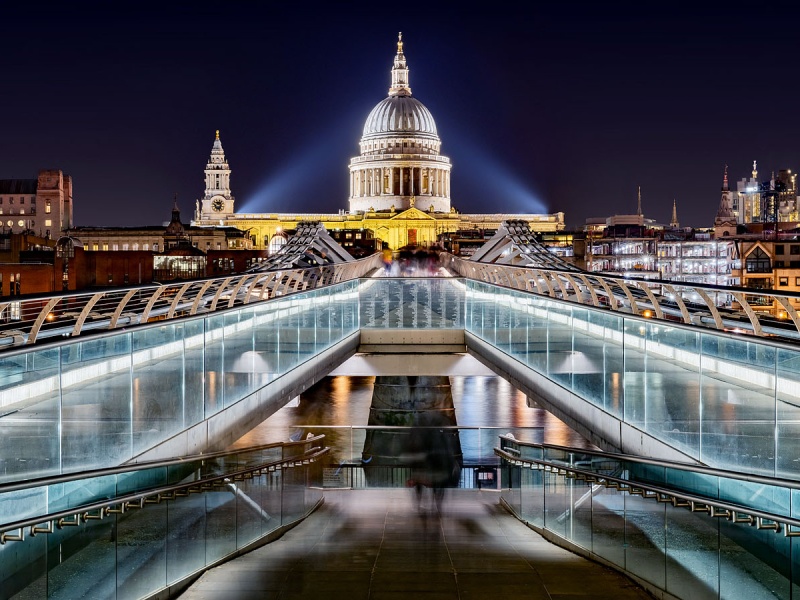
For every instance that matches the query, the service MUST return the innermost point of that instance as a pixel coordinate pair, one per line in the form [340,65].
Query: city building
[632,246]
[399,183]
[771,201]
[41,206]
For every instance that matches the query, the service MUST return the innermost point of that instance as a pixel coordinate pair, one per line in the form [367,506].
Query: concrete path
[377,545]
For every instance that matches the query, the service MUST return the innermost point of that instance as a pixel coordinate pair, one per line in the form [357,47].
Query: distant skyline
[559,108]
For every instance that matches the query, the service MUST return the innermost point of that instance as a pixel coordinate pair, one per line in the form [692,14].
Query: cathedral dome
[402,115]
[400,165]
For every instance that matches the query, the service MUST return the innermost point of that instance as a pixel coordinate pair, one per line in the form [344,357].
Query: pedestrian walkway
[377,545]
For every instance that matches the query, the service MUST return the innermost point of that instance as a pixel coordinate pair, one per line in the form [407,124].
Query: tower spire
[639,205]
[725,216]
[217,133]
[674,222]
[755,171]
[400,85]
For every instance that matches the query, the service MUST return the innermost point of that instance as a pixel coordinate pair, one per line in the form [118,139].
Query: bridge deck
[376,544]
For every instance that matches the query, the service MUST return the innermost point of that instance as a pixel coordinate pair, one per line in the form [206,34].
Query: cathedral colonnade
[400,181]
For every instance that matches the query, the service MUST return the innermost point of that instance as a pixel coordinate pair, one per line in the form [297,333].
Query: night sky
[567,107]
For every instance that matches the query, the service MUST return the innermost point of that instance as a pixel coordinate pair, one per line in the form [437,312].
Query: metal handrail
[712,507]
[688,303]
[655,462]
[99,510]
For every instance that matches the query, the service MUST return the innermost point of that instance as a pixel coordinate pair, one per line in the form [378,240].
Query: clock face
[217,204]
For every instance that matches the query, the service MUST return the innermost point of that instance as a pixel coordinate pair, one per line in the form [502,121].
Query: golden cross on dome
[217,133]
[400,42]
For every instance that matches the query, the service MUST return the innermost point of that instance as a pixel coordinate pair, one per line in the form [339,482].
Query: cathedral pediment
[412,214]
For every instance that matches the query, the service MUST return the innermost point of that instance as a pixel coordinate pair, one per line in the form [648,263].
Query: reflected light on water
[345,401]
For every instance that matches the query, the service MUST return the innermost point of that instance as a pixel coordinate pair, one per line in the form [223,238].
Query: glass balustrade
[143,549]
[687,553]
[99,400]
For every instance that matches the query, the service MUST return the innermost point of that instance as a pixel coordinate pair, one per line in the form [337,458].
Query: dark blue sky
[567,107]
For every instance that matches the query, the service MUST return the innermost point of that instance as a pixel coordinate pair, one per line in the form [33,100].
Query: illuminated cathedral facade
[399,183]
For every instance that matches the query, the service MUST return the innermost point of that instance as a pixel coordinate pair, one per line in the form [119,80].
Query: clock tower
[217,202]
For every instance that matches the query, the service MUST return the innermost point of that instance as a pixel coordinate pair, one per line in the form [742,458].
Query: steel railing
[763,313]
[619,479]
[27,320]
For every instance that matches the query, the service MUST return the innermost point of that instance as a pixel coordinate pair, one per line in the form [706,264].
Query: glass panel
[537,336]
[186,536]
[157,385]
[762,555]
[672,364]
[141,542]
[555,504]
[322,315]
[193,371]
[30,402]
[608,525]
[250,516]
[587,359]
[645,542]
[220,524]
[635,379]
[96,403]
[266,344]
[69,573]
[738,394]
[214,357]
[788,411]
[559,343]
[240,357]
[692,562]
[579,527]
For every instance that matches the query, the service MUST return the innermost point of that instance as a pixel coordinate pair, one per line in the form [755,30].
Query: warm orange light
[50,316]
[647,314]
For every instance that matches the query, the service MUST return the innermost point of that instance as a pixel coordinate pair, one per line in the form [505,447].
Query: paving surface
[379,545]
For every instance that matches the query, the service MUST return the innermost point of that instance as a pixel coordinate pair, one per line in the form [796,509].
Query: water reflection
[336,403]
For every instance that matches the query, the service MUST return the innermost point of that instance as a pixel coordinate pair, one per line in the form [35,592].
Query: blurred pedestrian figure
[434,463]
[387,261]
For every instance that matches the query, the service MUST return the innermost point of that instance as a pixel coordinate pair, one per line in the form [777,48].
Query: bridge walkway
[376,545]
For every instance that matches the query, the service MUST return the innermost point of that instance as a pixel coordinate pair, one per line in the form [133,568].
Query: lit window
[47,207]
[124,247]
[10,223]
[783,281]
[115,247]
[86,246]
[21,223]
[136,246]
[145,246]
[48,223]
[94,247]
[22,211]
